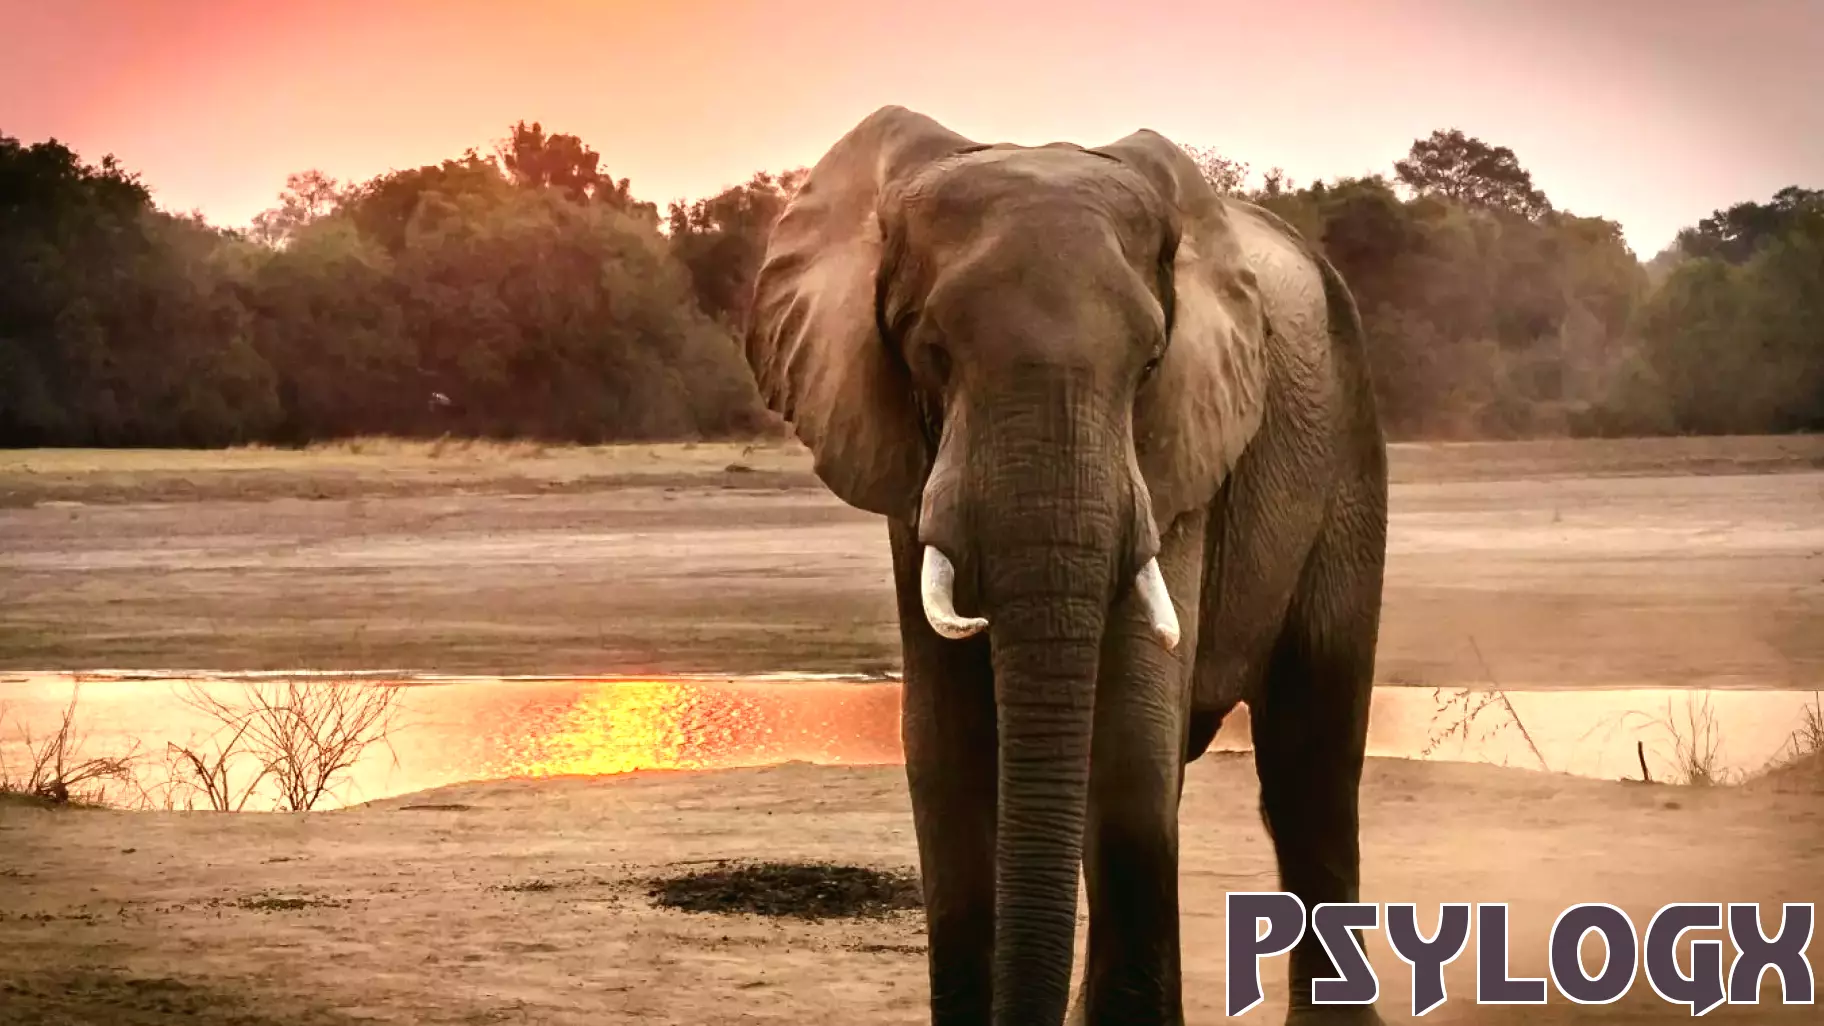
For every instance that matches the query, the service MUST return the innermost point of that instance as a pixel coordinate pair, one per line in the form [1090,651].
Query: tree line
[527,293]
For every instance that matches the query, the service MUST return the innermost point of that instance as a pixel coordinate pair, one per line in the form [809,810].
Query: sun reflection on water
[626,725]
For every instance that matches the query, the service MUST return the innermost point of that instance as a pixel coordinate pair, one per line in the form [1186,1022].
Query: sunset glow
[628,725]
[1653,114]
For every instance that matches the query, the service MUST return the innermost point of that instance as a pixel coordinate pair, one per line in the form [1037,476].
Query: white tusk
[937,583]
[1158,604]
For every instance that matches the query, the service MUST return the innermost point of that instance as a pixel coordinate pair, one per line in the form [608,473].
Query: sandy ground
[524,902]
[1671,563]
[1676,562]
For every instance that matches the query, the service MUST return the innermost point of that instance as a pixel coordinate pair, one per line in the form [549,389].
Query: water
[454,729]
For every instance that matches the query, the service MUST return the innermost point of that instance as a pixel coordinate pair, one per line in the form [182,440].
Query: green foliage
[545,317]
[721,240]
[308,195]
[1737,234]
[1735,346]
[1480,323]
[535,160]
[119,324]
[1491,314]
[523,296]
[529,294]
[327,312]
[1468,171]
[1223,174]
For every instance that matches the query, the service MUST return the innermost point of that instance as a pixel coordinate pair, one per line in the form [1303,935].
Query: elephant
[1122,432]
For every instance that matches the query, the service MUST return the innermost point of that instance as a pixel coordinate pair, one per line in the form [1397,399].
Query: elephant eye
[939,360]
[1151,366]
[930,363]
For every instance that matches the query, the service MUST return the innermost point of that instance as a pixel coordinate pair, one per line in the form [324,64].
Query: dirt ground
[528,902]
[1671,562]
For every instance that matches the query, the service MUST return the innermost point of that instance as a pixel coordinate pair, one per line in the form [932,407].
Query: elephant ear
[813,339]
[1207,396]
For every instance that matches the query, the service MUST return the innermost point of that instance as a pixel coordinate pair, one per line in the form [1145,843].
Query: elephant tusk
[1158,604]
[937,585]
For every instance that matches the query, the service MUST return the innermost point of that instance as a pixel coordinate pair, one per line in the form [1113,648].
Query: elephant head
[1039,357]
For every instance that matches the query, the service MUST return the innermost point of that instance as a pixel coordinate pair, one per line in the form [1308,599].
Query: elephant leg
[1310,725]
[948,730]
[1136,775]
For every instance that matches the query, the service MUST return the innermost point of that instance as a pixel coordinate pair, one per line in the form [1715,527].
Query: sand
[1668,563]
[1672,563]
[526,901]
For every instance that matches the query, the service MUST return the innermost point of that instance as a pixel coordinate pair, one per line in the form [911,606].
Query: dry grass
[434,449]
[1689,739]
[404,453]
[302,735]
[299,737]
[55,770]
[376,467]
[380,466]
[1697,742]
[1805,748]
[1474,717]
[208,767]
[1808,739]
[1463,708]
[1692,738]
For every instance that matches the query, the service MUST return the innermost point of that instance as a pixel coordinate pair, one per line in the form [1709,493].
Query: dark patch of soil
[799,890]
[889,949]
[281,903]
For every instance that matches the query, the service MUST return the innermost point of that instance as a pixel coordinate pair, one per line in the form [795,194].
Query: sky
[1653,113]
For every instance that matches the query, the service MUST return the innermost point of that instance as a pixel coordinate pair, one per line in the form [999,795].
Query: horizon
[1597,104]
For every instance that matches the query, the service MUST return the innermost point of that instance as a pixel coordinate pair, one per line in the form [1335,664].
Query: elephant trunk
[1046,647]
[1052,523]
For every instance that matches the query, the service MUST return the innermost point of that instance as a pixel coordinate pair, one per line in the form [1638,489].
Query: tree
[308,196]
[1736,234]
[552,319]
[544,303]
[384,208]
[1739,348]
[538,161]
[1467,170]
[119,324]
[1224,175]
[1664,263]
[38,179]
[328,318]
[535,160]
[543,300]
[1365,231]
[1274,183]
[721,240]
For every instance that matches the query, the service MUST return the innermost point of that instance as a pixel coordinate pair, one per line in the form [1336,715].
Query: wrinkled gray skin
[1053,364]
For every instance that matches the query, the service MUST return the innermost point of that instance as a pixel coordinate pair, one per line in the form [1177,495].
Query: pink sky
[1651,112]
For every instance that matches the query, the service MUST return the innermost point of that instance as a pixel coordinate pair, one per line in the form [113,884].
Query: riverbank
[527,901]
